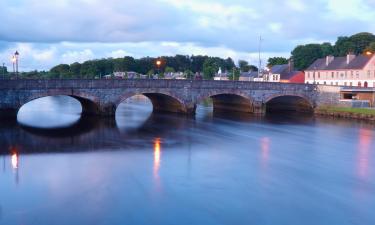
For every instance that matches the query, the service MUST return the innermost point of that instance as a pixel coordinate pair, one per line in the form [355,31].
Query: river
[211,169]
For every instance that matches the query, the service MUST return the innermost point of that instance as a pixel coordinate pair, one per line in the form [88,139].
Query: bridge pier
[259,108]
[8,113]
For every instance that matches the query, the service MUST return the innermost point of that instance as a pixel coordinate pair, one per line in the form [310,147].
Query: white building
[350,70]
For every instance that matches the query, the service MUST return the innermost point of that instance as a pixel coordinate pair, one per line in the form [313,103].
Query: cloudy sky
[47,33]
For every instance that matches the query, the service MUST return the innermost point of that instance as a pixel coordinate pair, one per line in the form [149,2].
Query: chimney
[329,59]
[349,57]
[291,65]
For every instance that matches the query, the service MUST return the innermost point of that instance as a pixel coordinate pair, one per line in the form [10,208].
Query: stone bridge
[102,97]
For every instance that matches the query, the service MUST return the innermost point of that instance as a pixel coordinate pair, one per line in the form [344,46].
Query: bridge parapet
[103,96]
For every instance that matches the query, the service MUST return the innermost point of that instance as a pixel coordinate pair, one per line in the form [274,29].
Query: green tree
[244,65]
[75,69]
[371,48]
[188,74]
[234,74]
[210,68]
[276,61]
[169,69]
[327,49]
[305,55]
[361,41]
[60,71]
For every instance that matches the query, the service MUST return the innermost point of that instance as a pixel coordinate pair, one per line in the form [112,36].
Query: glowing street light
[368,53]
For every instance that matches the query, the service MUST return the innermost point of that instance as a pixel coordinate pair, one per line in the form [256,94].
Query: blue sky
[47,33]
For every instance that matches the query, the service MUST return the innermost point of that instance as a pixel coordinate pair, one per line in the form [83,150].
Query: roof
[284,72]
[249,74]
[339,63]
[278,69]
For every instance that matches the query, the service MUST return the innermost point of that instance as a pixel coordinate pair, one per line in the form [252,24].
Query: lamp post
[14,64]
[16,54]
[158,64]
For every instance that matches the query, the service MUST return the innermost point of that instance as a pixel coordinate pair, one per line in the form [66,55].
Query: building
[285,74]
[350,70]
[221,75]
[248,76]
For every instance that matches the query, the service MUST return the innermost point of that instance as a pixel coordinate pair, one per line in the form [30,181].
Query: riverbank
[346,112]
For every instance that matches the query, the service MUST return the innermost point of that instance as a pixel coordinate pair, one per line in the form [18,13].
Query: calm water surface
[144,168]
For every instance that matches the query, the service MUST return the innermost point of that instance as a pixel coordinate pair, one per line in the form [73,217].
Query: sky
[47,33]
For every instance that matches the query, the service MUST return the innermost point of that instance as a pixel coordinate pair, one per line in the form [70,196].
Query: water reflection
[106,172]
[365,144]
[157,154]
[49,112]
[265,147]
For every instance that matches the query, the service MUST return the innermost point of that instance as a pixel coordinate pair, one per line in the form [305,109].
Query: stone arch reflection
[51,112]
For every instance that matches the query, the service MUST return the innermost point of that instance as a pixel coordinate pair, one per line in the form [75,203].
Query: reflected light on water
[365,136]
[14,160]
[265,147]
[157,154]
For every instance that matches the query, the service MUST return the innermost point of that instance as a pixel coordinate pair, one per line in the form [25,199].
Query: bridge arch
[89,103]
[224,101]
[161,101]
[289,103]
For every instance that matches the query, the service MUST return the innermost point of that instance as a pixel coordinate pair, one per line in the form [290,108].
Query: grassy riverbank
[346,112]
[331,109]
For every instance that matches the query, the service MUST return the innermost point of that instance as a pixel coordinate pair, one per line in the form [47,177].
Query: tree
[276,61]
[188,74]
[210,68]
[169,70]
[361,41]
[75,69]
[327,49]
[370,48]
[60,71]
[229,64]
[234,74]
[305,55]
[244,65]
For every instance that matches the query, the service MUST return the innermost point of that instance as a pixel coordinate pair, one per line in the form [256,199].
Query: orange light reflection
[365,137]
[14,160]
[157,154]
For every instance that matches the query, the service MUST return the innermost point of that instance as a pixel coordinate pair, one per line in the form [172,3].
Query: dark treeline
[206,65]
[305,55]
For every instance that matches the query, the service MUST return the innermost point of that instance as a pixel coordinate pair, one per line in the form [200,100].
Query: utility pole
[259,62]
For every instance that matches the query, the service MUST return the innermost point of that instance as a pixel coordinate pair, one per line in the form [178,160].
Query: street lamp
[16,54]
[158,64]
[14,64]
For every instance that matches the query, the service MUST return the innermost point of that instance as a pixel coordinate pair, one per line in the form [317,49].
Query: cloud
[50,32]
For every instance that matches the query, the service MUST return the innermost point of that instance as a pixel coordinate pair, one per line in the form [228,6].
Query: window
[345,83]
[351,84]
[357,74]
[352,73]
[368,73]
[319,75]
[337,83]
[365,84]
[333,74]
[331,83]
[359,84]
[325,83]
[308,75]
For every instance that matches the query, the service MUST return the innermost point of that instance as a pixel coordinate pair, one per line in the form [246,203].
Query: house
[248,76]
[285,74]
[350,70]
[221,75]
